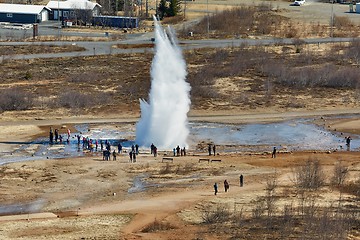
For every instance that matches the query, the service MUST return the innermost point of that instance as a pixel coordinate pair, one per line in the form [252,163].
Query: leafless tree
[309,175]
[340,174]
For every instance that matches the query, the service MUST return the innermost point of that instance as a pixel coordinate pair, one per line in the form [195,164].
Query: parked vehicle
[299,2]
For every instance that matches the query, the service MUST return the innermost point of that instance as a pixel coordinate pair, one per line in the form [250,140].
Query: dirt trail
[165,205]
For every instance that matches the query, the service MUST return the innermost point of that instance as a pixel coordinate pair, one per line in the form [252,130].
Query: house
[22,13]
[73,10]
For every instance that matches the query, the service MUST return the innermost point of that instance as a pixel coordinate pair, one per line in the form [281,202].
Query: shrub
[28,75]
[86,77]
[353,51]
[342,22]
[352,188]
[259,208]
[243,20]
[309,175]
[75,100]
[340,174]
[166,169]
[157,226]
[15,99]
[218,215]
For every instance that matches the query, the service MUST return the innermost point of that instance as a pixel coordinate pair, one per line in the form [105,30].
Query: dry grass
[299,214]
[157,226]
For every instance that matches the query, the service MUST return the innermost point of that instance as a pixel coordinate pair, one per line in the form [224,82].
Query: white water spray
[164,119]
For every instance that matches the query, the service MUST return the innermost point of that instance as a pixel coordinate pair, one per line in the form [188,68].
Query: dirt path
[168,204]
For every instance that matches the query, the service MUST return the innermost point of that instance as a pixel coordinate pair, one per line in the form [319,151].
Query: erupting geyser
[164,118]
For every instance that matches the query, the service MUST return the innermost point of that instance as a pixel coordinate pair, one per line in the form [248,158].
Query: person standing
[152,148]
[209,149]
[114,155]
[241,180]
[137,149]
[226,185]
[119,148]
[134,156]
[273,155]
[216,188]
[348,140]
[178,151]
[131,156]
[155,151]
[56,135]
[214,148]
[51,136]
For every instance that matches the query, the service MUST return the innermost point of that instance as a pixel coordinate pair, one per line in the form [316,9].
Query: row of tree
[165,8]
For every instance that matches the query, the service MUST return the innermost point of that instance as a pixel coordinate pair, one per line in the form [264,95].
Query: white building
[70,9]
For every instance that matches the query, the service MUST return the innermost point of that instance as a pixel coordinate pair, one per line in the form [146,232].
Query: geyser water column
[163,119]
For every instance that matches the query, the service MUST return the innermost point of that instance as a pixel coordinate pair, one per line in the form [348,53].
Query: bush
[352,188]
[218,215]
[342,22]
[340,174]
[75,100]
[157,226]
[167,169]
[243,20]
[86,77]
[15,99]
[309,175]
[353,52]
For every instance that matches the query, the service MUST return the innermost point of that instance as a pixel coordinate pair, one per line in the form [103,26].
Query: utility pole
[184,9]
[208,20]
[332,19]
[147,8]
[59,27]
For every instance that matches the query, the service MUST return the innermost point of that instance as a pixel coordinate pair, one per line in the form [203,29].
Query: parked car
[299,2]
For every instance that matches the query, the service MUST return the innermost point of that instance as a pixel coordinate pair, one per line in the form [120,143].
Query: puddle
[290,135]
[31,207]
[140,185]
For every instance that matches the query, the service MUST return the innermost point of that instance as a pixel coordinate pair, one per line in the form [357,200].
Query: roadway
[107,47]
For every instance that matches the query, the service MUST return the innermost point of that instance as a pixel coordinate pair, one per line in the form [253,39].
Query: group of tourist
[133,153]
[213,147]
[179,151]
[55,136]
[227,185]
[153,150]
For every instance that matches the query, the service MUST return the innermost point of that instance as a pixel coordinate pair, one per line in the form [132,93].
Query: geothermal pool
[299,134]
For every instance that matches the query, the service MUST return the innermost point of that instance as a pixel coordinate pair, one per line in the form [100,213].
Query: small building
[22,13]
[357,7]
[73,10]
[116,21]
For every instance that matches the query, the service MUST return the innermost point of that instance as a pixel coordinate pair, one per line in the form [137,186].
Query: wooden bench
[216,160]
[167,159]
[204,159]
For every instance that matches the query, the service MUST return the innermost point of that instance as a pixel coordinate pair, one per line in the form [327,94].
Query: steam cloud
[164,119]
